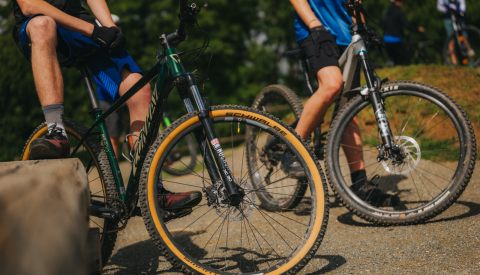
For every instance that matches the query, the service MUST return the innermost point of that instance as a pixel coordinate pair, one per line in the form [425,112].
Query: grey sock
[54,117]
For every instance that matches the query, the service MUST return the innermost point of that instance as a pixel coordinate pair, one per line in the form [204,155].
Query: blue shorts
[104,67]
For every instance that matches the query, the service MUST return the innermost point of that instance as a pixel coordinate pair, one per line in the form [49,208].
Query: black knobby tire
[280,94]
[182,240]
[91,153]
[285,94]
[191,160]
[431,179]
[473,40]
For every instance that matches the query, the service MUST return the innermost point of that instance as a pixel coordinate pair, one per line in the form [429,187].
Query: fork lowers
[214,143]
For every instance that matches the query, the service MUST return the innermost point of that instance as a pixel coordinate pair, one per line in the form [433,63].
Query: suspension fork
[374,85]
[199,136]
[210,136]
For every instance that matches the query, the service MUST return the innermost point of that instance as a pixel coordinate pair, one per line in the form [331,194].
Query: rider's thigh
[142,98]
[330,82]
[42,30]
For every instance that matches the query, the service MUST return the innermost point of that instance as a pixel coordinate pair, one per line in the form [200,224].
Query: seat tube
[88,85]
[106,143]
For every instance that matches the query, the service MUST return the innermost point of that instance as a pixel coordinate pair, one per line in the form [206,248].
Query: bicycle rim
[216,237]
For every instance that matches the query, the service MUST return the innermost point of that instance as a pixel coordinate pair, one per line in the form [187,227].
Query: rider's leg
[451,49]
[330,84]
[42,32]
[138,108]
[137,104]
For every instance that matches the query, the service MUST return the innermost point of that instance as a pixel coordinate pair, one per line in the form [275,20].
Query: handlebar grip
[182,29]
[183,4]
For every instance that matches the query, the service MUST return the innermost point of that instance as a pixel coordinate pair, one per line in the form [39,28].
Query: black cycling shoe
[291,166]
[368,192]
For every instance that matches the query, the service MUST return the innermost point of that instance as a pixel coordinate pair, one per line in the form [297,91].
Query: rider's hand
[421,29]
[104,36]
[117,46]
[323,39]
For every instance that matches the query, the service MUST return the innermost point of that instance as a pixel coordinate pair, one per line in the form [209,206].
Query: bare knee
[42,30]
[330,90]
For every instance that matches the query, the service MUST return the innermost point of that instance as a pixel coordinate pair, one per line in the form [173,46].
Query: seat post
[308,82]
[88,85]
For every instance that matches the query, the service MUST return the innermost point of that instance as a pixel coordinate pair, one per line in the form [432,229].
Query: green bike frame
[167,69]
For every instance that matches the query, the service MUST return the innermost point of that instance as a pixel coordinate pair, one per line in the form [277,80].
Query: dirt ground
[447,244]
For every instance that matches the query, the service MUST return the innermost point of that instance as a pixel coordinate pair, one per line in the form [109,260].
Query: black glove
[117,46]
[104,36]
[323,39]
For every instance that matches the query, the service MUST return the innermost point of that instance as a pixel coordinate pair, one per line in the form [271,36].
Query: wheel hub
[239,209]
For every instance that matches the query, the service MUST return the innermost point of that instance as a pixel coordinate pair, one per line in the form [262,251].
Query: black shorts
[319,62]
[316,62]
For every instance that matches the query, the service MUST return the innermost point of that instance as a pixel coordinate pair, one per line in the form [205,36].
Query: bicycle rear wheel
[469,39]
[281,102]
[438,151]
[216,237]
[99,174]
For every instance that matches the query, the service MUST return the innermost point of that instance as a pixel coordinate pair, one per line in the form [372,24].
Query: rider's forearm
[354,20]
[305,12]
[101,12]
[68,22]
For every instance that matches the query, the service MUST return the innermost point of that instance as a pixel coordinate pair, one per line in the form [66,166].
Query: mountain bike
[462,47]
[181,160]
[416,142]
[226,232]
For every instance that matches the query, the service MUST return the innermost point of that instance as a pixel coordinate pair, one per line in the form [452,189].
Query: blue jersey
[332,15]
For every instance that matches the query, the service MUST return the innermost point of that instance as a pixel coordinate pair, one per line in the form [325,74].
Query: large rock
[44,208]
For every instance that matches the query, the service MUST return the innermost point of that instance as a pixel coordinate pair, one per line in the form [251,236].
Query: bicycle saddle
[77,60]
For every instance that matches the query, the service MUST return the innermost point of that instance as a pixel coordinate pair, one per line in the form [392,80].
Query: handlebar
[187,16]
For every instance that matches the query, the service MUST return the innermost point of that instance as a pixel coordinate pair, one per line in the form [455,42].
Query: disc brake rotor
[412,157]
[244,209]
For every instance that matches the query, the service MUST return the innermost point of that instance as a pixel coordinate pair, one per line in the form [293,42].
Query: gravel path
[448,244]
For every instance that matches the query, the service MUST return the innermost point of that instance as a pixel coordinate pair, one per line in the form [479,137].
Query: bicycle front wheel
[215,236]
[466,52]
[99,174]
[437,154]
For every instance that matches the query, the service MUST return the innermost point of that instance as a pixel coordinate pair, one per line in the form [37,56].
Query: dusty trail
[448,244]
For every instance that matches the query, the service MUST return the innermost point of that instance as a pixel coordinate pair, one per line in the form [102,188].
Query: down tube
[149,132]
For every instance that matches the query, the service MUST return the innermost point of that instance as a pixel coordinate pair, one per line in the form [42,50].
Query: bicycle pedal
[169,215]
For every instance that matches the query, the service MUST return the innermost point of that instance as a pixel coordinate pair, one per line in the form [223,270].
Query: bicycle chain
[125,217]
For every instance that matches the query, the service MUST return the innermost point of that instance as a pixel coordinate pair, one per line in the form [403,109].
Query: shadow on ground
[474,209]
[144,258]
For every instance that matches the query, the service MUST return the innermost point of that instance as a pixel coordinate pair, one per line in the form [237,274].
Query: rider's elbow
[27,7]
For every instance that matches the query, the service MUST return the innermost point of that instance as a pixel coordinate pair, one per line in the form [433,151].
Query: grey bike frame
[354,53]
